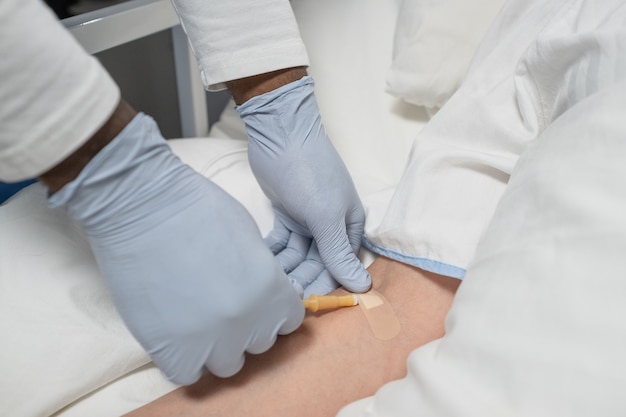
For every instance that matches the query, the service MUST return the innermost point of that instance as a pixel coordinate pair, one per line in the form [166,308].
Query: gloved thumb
[340,259]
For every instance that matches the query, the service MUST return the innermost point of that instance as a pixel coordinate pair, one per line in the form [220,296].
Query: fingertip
[294,253]
[184,378]
[342,262]
[306,272]
[323,285]
[350,272]
[227,369]
[359,282]
[261,345]
[277,239]
[294,319]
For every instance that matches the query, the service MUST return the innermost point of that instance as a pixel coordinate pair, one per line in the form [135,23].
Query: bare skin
[330,361]
[70,167]
[244,89]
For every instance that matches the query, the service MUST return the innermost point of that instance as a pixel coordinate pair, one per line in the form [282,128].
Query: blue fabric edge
[422,263]
[8,190]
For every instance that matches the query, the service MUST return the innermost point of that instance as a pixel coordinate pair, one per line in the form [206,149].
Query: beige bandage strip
[379,314]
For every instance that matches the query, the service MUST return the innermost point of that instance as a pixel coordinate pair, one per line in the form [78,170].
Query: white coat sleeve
[240,38]
[54,95]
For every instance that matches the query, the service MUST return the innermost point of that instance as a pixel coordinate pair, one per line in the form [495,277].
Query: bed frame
[115,25]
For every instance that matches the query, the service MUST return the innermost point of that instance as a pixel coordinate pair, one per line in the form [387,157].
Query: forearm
[333,356]
[68,169]
[244,89]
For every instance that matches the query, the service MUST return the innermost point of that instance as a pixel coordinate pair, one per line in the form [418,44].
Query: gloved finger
[295,316]
[322,285]
[278,237]
[339,258]
[355,221]
[296,286]
[261,344]
[225,364]
[181,374]
[264,337]
[294,253]
[309,269]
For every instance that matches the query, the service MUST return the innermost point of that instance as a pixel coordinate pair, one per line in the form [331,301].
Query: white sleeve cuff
[238,39]
[55,95]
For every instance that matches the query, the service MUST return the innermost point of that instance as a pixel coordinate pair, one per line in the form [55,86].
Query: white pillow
[433,45]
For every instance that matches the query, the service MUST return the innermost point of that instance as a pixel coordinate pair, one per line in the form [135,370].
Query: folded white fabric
[461,160]
[121,396]
[537,327]
[434,42]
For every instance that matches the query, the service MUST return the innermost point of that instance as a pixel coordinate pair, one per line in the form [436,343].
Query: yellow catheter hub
[315,303]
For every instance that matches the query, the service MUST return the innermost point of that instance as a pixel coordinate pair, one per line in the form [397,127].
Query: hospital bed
[65,351]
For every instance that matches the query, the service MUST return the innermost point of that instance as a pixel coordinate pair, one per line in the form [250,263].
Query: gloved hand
[185,263]
[310,189]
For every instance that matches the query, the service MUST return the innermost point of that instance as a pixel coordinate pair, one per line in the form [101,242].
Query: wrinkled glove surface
[319,218]
[185,263]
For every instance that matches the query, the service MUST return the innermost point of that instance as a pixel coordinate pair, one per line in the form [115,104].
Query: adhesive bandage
[379,314]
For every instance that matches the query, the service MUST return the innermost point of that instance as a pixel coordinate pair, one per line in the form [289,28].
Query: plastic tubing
[325,302]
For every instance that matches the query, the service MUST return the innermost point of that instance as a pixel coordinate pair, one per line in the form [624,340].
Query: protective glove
[185,263]
[310,188]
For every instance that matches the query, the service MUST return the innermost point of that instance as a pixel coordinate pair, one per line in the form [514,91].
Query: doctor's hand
[185,263]
[319,218]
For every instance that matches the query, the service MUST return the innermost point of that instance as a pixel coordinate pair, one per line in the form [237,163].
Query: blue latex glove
[185,263]
[310,189]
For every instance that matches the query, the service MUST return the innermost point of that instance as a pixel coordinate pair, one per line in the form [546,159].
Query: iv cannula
[324,302]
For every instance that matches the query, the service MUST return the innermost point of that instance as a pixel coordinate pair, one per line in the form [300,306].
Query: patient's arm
[332,360]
